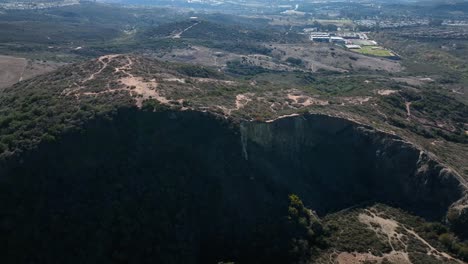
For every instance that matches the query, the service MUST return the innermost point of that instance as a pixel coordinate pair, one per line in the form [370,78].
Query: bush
[197,71]
[447,240]
[463,252]
[294,61]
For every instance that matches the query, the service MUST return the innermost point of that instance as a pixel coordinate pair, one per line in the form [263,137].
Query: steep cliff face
[333,163]
[186,187]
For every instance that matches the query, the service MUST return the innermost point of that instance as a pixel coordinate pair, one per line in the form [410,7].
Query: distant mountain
[36,4]
[36,1]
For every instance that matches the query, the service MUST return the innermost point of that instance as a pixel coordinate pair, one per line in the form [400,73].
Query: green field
[375,51]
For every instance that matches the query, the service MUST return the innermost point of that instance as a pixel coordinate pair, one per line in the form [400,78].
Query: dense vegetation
[427,107]
[54,34]
[223,36]
[33,112]
[239,67]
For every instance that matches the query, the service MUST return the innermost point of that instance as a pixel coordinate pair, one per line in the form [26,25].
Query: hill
[152,135]
[144,159]
[36,4]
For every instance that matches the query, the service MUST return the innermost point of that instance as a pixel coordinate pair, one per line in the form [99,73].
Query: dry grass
[14,69]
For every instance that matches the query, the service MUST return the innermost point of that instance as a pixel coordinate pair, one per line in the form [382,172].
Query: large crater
[189,187]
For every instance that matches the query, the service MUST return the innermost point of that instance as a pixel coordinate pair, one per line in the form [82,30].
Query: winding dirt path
[389,228]
[104,65]
[138,87]
[178,35]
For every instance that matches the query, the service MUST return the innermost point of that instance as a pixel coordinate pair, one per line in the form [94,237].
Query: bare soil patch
[14,69]
[326,57]
[398,236]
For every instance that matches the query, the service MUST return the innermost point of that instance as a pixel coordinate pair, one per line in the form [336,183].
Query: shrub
[294,61]
[447,240]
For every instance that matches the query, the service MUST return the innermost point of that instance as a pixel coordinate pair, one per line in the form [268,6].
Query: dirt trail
[178,35]
[102,92]
[408,110]
[103,67]
[143,90]
[281,117]
[138,87]
[305,101]
[242,100]
[389,228]
[22,72]
[356,100]
[386,92]
[433,251]
[360,258]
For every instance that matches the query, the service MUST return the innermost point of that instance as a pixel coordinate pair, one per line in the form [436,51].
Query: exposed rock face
[202,188]
[333,163]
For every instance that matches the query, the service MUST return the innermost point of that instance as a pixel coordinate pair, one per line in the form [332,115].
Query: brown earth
[315,57]
[14,69]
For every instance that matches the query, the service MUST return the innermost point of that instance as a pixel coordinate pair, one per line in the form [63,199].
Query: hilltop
[80,91]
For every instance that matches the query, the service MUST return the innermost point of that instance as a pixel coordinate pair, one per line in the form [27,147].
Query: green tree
[306,231]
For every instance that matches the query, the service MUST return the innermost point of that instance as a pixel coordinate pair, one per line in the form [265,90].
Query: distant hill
[36,4]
